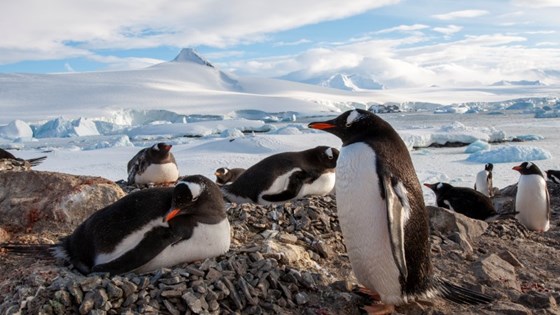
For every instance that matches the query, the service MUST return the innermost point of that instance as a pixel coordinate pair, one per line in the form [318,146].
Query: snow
[94,123]
[510,154]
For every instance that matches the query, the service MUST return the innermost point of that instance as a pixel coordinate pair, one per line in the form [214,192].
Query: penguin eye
[348,125]
[330,157]
[195,199]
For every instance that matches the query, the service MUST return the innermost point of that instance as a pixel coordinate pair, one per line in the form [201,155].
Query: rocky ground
[290,259]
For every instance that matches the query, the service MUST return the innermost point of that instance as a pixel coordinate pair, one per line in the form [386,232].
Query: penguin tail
[41,251]
[460,295]
[502,216]
[36,161]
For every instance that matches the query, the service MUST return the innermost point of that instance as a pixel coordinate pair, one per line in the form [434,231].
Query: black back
[104,229]
[393,159]
[159,153]
[33,162]
[553,175]
[6,155]
[260,176]
[464,200]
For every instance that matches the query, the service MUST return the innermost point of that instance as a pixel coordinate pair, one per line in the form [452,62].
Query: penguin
[155,165]
[382,214]
[33,162]
[484,180]
[554,176]
[463,200]
[286,176]
[149,229]
[226,176]
[532,200]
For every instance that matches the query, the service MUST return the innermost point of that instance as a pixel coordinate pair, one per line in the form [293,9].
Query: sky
[402,43]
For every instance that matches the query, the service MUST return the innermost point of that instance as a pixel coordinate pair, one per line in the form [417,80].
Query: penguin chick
[226,176]
[484,180]
[286,176]
[33,162]
[532,200]
[153,165]
[382,213]
[463,200]
[148,229]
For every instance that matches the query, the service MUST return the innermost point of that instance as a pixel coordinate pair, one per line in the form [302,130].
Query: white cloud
[403,28]
[448,30]
[460,14]
[541,44]
[294,43]
[537,3]
[67,28]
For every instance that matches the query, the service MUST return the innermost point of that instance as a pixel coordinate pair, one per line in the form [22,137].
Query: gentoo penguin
[285,176]
[464,200]
[484,181]
[532,200]
[225,176]
[33,162]
[382,214]
[150,229]
[553,175]
[154,165]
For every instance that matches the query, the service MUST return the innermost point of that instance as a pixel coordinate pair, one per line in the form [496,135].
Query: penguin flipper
[297,179]
[398,211]
[36,161]
[154,242]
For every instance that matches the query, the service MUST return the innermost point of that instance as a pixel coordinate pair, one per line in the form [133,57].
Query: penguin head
[528,168]
[222,175]
[352,124]
[327,156]
[191,195]
[489,167]
[160,150]
[438,187]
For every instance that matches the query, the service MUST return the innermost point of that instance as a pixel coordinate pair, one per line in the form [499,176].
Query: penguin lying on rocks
[33,162]
[226,176]
[146,230]
[286,176]
[464,200]
[554,176]
[382,214]
[153,165]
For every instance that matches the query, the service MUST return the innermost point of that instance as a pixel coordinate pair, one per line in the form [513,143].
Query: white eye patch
[352,117]
[439,185]
[225,171]
[329,153]
[155,147]
[529,164]
[195,188]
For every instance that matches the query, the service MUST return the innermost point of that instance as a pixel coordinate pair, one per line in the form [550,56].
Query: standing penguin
[225,176]
[484,181]
[532,200]
[155,165]
[33,162]
[285,176]
[554,176]
[149,229]
[382,214]
[464,200]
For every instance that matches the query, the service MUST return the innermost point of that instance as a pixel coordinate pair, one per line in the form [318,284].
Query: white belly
[531,202]
[208,240]
[158,173]
[321,186]
[363,219]
[482,183]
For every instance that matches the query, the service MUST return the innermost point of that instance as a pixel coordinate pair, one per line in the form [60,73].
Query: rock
[509,308]
[510,258]
[17,165]
[497,272]
[301,298]
[194,303]
[535,299]
[287,252]
[54,202]
[462,241]
[448,222]
[287,238]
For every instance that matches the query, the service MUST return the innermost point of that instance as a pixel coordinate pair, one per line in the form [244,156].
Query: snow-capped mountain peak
[351,82]
[190,55]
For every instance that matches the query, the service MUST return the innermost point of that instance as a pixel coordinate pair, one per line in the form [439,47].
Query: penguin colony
[380,204]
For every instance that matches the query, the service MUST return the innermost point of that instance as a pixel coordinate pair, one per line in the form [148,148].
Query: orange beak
[517,168]
[217,174]
[171,214]
[321,125]
[428,185]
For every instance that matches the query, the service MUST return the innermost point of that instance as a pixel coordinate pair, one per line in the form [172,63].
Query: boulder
[34,201]
[14,165]
[449,222]
[497,272]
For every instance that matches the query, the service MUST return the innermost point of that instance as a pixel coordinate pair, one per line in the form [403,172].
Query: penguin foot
[379,309]
[371,294]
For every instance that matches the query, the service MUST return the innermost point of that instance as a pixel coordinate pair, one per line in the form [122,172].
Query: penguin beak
[217,174]
[428,185]
[321,125]
[517,168]
[171,214]
[167,147]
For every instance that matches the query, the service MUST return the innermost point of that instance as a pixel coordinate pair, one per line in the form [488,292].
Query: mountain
[351,82]
[190,55]
[520,82]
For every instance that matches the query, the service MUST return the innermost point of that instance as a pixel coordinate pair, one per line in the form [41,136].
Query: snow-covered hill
[351,82]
